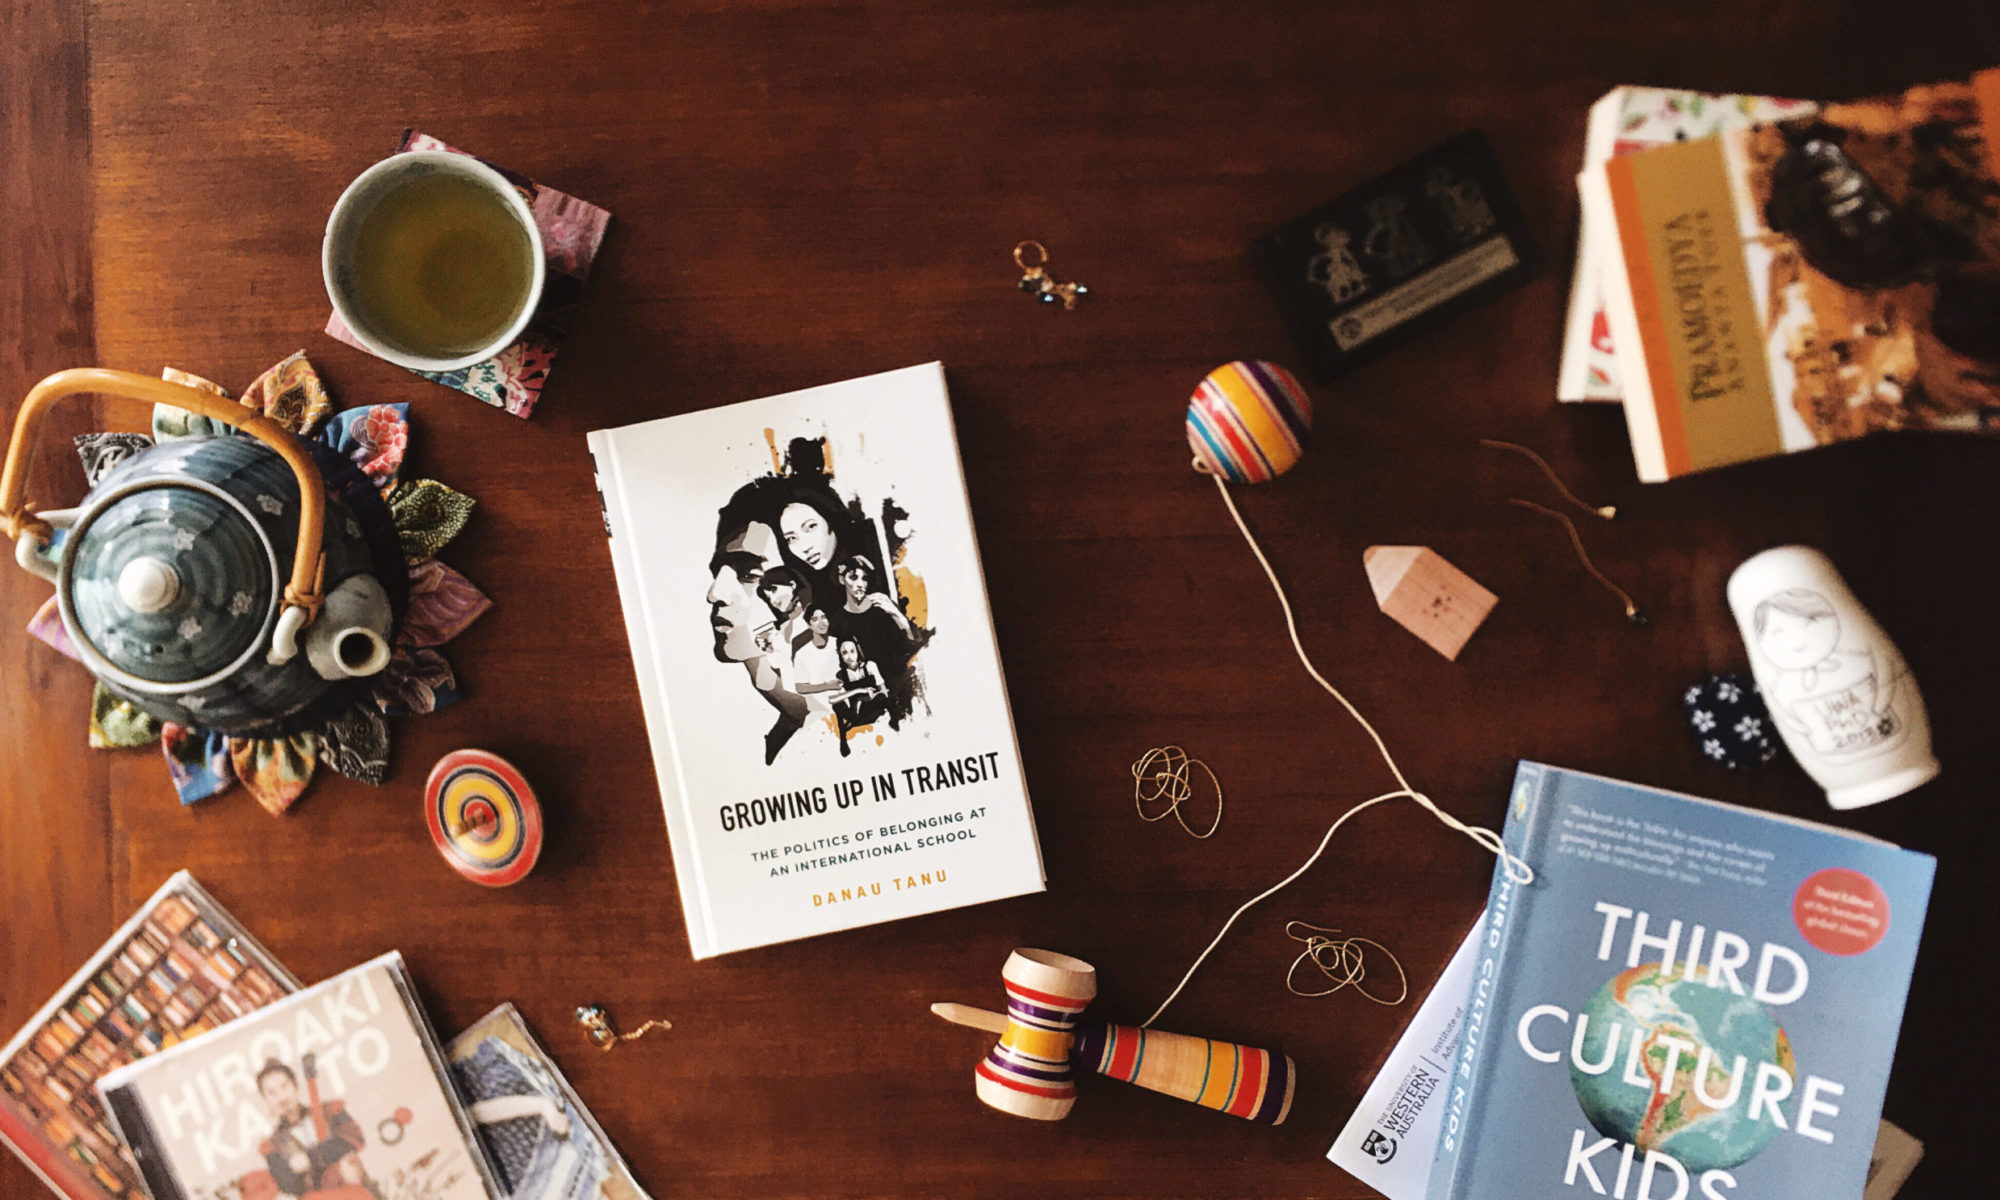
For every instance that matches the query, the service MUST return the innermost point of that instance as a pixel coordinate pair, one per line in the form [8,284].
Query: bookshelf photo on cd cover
[816,659]
[1790,285]
[1691,999]
[178,968]
[336,1093]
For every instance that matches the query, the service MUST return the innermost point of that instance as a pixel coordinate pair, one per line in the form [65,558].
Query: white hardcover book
[817,662]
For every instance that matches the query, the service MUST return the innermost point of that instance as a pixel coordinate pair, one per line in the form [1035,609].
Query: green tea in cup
[433,261]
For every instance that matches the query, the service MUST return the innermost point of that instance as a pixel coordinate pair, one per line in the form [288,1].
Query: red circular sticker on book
[1841,911]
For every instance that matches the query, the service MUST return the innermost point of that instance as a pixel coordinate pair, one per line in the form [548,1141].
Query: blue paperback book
[1692,1001]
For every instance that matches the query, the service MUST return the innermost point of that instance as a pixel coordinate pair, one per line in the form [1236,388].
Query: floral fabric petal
[375,438]
[356,744]
[47,625]
[275,770]
[443,604]
[102,451]
[170,422]
[416,681]
[197,760]
[291,394]
[117,723]
[428,515]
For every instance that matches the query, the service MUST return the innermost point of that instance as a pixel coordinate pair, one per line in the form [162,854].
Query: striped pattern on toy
[1242,1081]
[1033,1055]
[1248,421]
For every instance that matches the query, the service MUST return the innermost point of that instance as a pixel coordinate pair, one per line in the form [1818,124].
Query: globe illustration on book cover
[1656,1003]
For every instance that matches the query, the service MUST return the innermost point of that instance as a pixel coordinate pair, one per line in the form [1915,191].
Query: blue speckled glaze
[202,660]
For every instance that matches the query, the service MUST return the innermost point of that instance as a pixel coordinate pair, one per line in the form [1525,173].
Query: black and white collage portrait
[813,593]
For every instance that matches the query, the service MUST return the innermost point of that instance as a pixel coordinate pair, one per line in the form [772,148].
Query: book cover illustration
[1627,120]
[815,593]
[1809,281]
[336,1093]
[543,1142]
[821,683]
[1689,1000]
[179,967]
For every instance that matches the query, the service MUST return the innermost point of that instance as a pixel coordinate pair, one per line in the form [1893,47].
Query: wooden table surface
[805,192]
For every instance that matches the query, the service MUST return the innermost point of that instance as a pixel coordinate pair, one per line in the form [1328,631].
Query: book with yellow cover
[1807,281]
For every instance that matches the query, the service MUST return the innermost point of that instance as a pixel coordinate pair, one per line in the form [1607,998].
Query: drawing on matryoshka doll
[1840,698]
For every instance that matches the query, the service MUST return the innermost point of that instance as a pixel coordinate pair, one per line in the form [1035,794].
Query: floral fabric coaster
[571,230]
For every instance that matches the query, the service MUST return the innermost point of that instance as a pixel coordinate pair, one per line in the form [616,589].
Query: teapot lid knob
[147,585]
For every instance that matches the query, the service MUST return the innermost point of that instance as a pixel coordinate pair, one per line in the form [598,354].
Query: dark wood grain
[58,886]
[805,192]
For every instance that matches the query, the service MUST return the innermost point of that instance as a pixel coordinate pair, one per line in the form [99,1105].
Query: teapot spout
[351,637]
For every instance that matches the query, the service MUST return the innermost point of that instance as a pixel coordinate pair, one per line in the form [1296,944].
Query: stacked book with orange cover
[1807,280]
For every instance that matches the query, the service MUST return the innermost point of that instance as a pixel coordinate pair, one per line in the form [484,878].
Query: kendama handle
[1242,1081]
[971,1018]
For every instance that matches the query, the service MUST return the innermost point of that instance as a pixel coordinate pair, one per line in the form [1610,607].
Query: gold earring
[597,1027]
[1035,278]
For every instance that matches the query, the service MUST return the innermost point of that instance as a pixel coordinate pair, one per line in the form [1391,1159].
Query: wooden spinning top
[484,817]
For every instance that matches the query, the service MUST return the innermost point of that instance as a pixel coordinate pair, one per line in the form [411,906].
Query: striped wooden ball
[1248,421]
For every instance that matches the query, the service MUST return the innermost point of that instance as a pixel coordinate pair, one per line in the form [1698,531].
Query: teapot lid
[169,583]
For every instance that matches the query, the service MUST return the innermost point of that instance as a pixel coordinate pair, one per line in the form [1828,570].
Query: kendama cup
[1028,1073]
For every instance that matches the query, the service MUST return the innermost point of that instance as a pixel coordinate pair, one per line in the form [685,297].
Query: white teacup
[426,284]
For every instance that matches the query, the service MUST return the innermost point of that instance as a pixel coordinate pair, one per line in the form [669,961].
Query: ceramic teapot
[250,584]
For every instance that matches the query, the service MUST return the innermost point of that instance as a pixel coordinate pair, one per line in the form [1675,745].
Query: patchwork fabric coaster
[572,230]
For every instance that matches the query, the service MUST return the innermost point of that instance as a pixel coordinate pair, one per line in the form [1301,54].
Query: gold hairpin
[1604,510]
[597,1027]
[1632,612]
[1035,279]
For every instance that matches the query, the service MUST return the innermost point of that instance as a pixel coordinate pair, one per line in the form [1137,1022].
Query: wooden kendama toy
[1044,1044]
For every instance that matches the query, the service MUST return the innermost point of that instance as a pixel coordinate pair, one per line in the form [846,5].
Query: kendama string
[1167,773]
[1348,965]
[1516,869]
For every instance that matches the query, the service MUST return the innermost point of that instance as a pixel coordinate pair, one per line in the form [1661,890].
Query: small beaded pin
[597,1027]
[1036,281]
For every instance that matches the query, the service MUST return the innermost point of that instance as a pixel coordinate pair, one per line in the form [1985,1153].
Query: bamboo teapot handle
[20,522]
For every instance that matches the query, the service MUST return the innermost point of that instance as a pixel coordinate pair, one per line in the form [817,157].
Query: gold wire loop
[1340,959]
[1166,773]
[1041,259]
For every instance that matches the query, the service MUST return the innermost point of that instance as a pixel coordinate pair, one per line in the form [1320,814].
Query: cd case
[544,1143]
[180,967]
[339,1092]
[1398,255]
